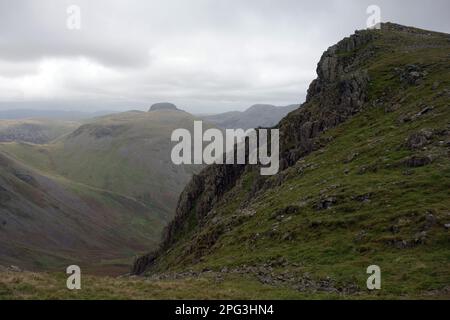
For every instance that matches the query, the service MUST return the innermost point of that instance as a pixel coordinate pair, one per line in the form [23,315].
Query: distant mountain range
[37,131]
[20,114]
[364,180]
[259,115]
[100,191]
[96,188]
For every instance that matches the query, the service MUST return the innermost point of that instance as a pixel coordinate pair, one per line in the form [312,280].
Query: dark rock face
[289,210]
[419,139]
[339,92]
[411,75]
[99,131]
[25,132]
[202,192]
[418,161]
[163,106]
[141,263]
[326,203]
[107,131]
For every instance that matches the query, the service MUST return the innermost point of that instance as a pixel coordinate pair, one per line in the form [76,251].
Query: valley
[364,180]
[95,196]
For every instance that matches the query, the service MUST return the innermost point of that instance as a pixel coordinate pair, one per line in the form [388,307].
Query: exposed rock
[401,244]
[166,106]
[411,74]
[339,91]
[420,238]
[419,139]
[404,118]
[326,203]
[14,269]
[106,131]
[430,221]
[418,161]
[26,132]
[363,197]
[142,263]
[425,110]
[289,210]
[98,131]
[351,157]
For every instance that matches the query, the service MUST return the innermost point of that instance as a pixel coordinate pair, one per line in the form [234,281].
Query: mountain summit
[258,115]
[166,106]
[364,181]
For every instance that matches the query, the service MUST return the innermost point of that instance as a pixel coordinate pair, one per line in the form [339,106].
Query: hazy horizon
[204,56]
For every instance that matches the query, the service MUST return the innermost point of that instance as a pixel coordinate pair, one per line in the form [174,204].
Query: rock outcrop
[339,92]
[166,106]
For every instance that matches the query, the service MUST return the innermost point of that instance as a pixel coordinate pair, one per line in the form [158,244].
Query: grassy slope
[48,222]
[30,130]
[125,179]
[43,286]
[365,158]
[379,204]
[133,159]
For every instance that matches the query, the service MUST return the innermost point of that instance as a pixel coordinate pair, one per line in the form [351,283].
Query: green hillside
[38,131]
[48,222]
[365,181]
[127,153]
[110,183]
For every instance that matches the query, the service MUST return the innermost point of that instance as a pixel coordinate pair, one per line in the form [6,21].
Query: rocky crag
[358,160]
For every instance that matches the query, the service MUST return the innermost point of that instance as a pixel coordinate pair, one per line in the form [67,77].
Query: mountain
[364,181]
[47,222]
[23,114]
[163,106]
[37,131]
[259,115]
[116,170]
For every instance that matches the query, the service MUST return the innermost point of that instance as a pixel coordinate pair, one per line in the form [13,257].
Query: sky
[206,56]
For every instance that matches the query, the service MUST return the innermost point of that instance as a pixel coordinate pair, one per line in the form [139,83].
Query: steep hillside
[103,191]
[37,131]
[259,115]
[16,112]
[48,222]
[365,180]
[127,153]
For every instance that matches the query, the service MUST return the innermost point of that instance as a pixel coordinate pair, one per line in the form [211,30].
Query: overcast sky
[204,55]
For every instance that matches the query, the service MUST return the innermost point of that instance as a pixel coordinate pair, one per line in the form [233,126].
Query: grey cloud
[202,54]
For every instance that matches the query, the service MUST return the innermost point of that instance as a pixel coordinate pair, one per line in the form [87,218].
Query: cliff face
[337,93]
[351,176]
